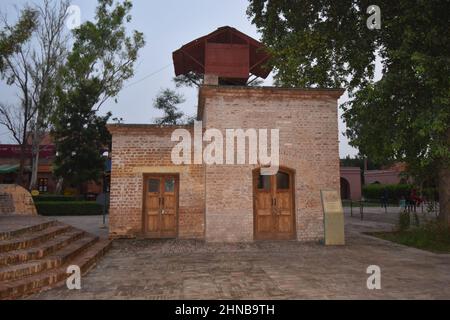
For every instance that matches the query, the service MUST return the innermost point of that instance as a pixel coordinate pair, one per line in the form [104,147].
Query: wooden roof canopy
[227,53]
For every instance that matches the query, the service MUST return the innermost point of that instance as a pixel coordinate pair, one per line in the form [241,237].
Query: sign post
[333,218]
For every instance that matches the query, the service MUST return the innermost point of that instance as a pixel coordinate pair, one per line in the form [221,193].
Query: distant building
[46,181]
[388,175]
[351,183]
[10,166]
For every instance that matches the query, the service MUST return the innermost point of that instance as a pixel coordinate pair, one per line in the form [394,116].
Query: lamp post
[105,190]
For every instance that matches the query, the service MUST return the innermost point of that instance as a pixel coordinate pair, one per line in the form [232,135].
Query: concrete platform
[177,269]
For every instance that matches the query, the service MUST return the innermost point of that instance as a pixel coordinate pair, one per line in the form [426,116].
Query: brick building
[46,181]
[152,197]
[10,164]
[351,186]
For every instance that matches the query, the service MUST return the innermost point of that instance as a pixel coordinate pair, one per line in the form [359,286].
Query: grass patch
[431,237]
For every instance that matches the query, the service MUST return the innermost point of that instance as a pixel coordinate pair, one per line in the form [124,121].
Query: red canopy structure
[227,53]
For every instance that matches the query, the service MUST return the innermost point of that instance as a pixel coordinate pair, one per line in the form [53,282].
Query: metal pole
[362,210]
[104,200]
[351,208]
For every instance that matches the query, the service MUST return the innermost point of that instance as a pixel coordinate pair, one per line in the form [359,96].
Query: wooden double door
[274,216]
[161,206]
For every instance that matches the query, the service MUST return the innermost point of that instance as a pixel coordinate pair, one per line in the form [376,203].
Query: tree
[403,117]
[167,101]
[49,57]
[190,80]
[32,66]
[101,60]
[11,37]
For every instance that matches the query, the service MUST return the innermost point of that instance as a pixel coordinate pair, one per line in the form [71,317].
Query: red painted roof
[12,151]
[192,57]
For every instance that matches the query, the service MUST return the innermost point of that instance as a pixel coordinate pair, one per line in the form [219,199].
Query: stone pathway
[266,270]
[91,224]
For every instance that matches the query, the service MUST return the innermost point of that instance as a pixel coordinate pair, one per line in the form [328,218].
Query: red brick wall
[216,202]
[139,150]
[308,124]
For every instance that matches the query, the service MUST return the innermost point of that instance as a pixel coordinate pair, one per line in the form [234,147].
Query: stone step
[43,250]
[32,239]
[49,278]
[35,228]
[69,246]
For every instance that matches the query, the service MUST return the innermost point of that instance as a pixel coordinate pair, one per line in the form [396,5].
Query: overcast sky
[167,25]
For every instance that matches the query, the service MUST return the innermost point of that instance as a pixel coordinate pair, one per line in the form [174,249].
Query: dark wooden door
[161,206]
[274,206]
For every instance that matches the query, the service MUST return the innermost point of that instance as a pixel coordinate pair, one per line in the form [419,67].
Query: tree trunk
[36,142]
[34,168]
[19,179]
[444,190]
[59,186]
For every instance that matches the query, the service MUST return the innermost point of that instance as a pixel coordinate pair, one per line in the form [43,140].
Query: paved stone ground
[266,270]
[91,224]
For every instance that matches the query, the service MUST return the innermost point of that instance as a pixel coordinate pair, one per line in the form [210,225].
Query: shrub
[68,208]
[54,198]
[395,191]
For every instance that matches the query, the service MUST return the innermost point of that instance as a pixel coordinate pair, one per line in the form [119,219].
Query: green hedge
[75,208]
[395,191]
[54,198]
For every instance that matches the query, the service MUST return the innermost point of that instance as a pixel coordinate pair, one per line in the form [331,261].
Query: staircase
[36,257]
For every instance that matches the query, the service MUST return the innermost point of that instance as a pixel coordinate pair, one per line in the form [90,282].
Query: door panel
[284,226]
[169,208]
[265,218]
[152,204]
[161,207]
[263,204]
[274,207]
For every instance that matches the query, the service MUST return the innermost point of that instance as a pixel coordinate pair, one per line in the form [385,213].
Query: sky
[167,25]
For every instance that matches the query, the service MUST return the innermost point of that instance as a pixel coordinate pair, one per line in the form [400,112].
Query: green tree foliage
[167,101]
[322,43]
[190,80]
[403,117]
[11,39]
[32,51]
[102,58]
